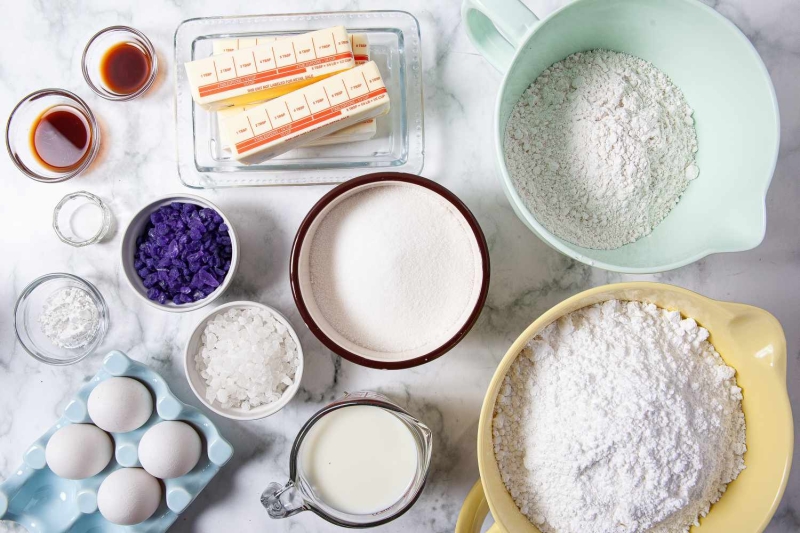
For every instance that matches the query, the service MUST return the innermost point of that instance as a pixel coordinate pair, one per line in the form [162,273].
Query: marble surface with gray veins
[42,42]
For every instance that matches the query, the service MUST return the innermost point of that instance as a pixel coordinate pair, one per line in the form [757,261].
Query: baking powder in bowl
[395,268]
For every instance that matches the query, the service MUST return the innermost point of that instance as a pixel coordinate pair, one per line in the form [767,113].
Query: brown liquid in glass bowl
[60,138]
[125,68]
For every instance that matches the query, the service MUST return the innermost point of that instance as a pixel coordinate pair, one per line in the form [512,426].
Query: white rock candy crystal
[247,358]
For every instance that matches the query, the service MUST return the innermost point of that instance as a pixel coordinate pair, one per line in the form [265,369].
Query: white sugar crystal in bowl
[198,383]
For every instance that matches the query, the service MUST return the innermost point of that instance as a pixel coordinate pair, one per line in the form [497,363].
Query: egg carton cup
[36,498]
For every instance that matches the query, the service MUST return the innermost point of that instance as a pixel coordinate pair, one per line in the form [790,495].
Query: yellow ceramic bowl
[748,339]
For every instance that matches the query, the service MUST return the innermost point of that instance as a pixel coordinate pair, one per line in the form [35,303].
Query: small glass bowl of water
[81,219]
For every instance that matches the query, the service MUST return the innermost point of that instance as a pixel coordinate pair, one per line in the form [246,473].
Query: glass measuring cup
[298,494]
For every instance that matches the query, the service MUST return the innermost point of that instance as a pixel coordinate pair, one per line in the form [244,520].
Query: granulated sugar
[600,148]
[395,268]
[619,418]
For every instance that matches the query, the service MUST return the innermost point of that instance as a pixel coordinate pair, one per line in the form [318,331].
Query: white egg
[128,496]
[120,405]
[170,449]
[78,451]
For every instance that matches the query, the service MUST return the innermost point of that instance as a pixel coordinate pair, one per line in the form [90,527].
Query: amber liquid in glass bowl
[125,68]
[60,138]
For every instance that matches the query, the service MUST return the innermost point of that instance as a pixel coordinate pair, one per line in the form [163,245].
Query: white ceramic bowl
[136,227]
[304,293]
[198,385]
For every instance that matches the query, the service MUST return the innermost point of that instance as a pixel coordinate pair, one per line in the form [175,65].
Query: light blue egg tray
[42,502]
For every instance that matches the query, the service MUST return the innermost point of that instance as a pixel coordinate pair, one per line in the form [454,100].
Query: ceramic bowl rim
[369,179]
[261,411]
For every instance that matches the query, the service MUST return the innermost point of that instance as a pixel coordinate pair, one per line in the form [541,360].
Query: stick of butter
[224,46]
[279,125]
[362,131]
[270,70]
[359,44]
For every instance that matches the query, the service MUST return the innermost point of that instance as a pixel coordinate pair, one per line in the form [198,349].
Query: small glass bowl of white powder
[60,318]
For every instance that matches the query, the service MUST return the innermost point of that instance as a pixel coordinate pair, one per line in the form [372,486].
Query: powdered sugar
[600,148]
[70,318]
[619,418]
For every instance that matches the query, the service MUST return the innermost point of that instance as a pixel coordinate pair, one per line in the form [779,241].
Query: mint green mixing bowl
[719,72]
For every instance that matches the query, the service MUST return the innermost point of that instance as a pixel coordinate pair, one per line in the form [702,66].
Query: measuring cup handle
[282,501]
[474,511]
[497,28]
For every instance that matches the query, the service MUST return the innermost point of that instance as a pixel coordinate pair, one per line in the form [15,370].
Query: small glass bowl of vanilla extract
[52,135]
[119,63]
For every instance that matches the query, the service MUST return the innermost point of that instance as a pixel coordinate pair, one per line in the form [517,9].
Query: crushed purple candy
[183,254]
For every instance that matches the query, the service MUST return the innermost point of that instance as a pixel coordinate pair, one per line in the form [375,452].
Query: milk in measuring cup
[359,459]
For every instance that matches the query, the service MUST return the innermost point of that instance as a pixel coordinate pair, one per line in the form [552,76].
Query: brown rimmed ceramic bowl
[300,276]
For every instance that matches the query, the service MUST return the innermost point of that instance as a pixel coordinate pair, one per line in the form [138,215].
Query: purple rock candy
[183,254]
[173,250]
[208,278]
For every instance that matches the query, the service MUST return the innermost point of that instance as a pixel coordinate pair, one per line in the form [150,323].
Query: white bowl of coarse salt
[390,270]
[244,361]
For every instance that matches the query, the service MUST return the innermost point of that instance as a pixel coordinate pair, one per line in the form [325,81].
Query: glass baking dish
[398,146]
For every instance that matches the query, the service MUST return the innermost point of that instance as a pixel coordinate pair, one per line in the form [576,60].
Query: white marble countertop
[137,163]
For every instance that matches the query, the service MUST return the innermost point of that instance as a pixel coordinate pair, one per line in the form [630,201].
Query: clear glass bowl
[21,121]
[75,225]
[395,46]
[99,44]
[29,307]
